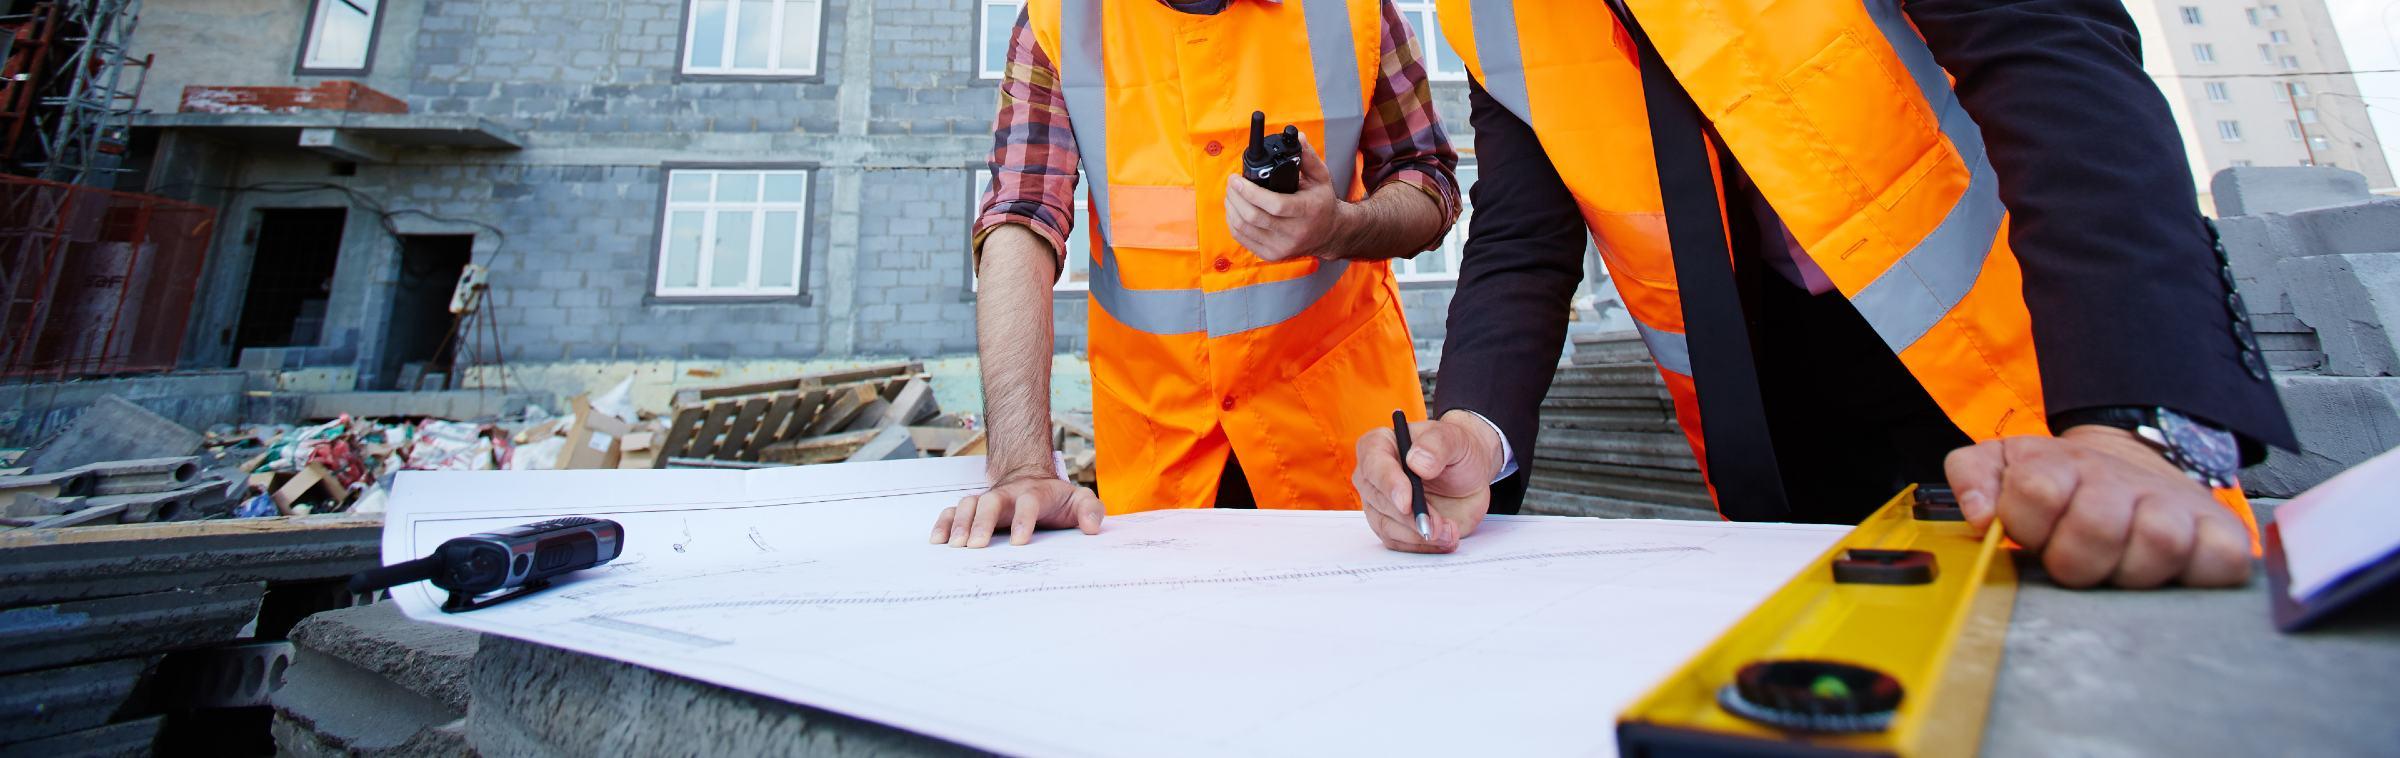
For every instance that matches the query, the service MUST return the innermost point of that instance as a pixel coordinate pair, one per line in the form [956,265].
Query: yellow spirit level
[1886,645]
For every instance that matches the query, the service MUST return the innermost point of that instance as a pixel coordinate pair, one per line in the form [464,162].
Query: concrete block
[2341,422]
[2284,189]
[98,562]
[62,700]
[112,429]
[328,707]
[2353,303]
[124,738]
[427,659]
[43,636]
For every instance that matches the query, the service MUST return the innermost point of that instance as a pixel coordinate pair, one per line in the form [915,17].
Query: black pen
[1416,484]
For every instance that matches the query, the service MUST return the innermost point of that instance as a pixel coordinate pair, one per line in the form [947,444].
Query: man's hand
[1457,455]
[1027,503]
[1274,226]
[2101,506]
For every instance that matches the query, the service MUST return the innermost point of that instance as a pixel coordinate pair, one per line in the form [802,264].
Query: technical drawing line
[927,597]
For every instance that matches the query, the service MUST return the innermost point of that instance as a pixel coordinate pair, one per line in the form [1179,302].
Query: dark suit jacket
[2121,277]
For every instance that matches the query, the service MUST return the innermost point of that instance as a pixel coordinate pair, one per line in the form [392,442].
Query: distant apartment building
[2257,83]
[644,179]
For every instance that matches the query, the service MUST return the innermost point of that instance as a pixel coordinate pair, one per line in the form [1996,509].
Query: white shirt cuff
[1508,457]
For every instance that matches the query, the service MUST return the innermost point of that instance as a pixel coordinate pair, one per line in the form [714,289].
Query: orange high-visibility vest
[1851,132]
[1198,348]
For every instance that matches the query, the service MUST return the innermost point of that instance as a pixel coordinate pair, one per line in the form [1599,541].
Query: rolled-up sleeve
[1033,152]
[1403,141]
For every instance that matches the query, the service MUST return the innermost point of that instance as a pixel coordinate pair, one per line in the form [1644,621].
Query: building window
[2229,131]
[2217,92]
[1078,276]
[2266,54]
[2253,14]
[2244,163]
[1441,61]
[2204,53]
[2291,63]
[752,37]
[2274,11]
[733,233]
[2308,115]
[1441,263]
[2320,143]
[991,40]
[2294,128]
[2191,16]
[2279,36]
[2299,89]
[341,36]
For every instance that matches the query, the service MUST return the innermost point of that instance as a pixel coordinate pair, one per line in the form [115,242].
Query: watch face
[2207,451]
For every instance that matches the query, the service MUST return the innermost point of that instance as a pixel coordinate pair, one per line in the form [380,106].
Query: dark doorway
[421,322]
[291,278]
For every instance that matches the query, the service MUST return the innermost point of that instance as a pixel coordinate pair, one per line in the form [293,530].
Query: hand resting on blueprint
[1458,455]
[2101,506]
[1026,503]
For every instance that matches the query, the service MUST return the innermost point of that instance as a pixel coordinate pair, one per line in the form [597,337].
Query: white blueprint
[1171,633]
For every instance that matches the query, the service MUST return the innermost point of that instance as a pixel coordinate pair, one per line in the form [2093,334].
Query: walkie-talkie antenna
[1257,153]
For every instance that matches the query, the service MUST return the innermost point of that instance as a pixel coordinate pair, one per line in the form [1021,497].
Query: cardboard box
[313,477]
[596,441]
[640,448]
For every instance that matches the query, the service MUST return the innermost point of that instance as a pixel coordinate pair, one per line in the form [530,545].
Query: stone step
[1666,476]
[428,659]
[1629,490]
[368,681]
[1610,419]
[1668,451]
[1551,503]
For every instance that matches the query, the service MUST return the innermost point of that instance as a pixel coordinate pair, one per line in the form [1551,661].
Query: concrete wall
[32,412]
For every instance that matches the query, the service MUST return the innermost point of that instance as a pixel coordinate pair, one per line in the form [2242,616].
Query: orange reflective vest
[1851,132]
[1198,348]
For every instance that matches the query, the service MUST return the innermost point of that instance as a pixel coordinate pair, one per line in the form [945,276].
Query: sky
[2370,32]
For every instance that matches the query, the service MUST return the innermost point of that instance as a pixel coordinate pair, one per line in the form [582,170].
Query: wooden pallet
[740,423]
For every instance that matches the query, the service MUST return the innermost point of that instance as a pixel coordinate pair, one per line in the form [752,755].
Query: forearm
[1014,338]
[1395,221]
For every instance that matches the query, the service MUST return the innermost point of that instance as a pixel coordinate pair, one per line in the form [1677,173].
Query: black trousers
[1233,491]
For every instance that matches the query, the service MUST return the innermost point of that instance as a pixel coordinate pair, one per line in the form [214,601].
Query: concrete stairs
[367,681]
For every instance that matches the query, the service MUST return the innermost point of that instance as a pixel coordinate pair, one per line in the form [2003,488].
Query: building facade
[646,180]
[2258,83]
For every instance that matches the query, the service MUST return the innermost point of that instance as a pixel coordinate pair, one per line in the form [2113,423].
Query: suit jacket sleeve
[2121,275]
[1516,281]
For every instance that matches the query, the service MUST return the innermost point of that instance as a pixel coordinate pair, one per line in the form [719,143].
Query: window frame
[2217,92]
[982,37]
[2203,52]
[2292,127]
[308,41]
[2295,89]
[690,30]
[979,176]
[1432,48]
[658,294]
[2290,63]
[2191,15]
[2229,130]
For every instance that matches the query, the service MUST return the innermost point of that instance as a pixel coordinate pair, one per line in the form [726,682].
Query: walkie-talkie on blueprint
[1272,160]
[518,560]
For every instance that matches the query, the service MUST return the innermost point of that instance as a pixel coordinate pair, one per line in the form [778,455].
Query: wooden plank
[737,438]
[704,444]
[820,449]
[889,443]
[871,416]
[871,371]
[804,414]
[770,426]
[915,403]
[975,445]
[680,431]
[939,439]
[1074,427]
[846,403]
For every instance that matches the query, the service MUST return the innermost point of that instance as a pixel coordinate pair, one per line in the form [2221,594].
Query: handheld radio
[1272,160]
[518,560]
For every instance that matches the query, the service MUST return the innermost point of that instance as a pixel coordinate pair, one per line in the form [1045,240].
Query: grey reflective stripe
[1503,74]
[1906,300]
[1183,311]
[1667,348]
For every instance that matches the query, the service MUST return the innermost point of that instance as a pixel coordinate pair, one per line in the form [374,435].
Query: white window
[1078,276]
[2299,89]
[2279,37]
[2204,53]
[991,41]
[1441,263]
[341,33]
[2229,131]
[2274,11]
[2217,92]
[2191,16]
[2294,128]
[2291,62]
[733,233]
[2266,54]
[2253,14]
[752,37]
[1441,61]
[2320,143]
[2308,115]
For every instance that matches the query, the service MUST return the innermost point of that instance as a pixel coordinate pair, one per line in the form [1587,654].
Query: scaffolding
[64,86]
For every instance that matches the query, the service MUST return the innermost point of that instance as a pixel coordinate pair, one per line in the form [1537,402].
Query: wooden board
[821,449]
[843,408]
[801,382]
[704,444]
[871,416]
[737,439]
[914,403]
[770,426]
[679,432]
[938,440]
[804,415]
[975,445]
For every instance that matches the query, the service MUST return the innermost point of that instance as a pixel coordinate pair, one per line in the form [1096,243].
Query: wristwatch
[2207,453]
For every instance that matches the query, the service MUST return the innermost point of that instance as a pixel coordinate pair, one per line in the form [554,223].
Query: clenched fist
[2101,506]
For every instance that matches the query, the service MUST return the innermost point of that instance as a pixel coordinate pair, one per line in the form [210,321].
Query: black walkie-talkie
[1272,160]
[520,558]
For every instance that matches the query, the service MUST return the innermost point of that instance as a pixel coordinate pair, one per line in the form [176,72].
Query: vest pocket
[1153,217]
[1881,130]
